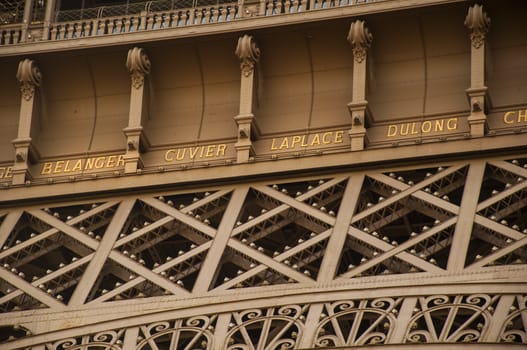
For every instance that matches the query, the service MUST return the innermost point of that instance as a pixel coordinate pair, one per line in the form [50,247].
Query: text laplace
[307,140]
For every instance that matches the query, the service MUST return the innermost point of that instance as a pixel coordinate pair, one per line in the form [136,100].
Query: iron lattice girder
[310,231]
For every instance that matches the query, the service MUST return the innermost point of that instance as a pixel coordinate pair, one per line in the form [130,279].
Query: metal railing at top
[132,9]
[158,14]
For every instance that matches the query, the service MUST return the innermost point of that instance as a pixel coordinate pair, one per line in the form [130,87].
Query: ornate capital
[360,39]
[478,22]
[29,76]
[138,64]
[248,52]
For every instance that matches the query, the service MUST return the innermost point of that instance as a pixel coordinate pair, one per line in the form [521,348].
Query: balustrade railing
[10,34]
[153,15]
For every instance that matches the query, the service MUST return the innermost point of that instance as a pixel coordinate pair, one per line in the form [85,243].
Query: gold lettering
[304,143]
[404,132]
[99,162]
[428,127]
[285,143]
[296,139]
[78,165]
[338,136]
[522,117]
[221,150]
[193,152]
[180,157]
[392,131]
[110,163]
[5,172]
[451,124]
[326,138]
[210,151]
[316,140]
[414,132]
[201,151]
[90,162]
[66,167]
[120,160]
[273,146]
[46,168]
[506,119]
[58,166]
[439,125]
[167,157]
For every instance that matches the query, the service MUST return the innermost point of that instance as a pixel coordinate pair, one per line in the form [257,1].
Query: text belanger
[76,165]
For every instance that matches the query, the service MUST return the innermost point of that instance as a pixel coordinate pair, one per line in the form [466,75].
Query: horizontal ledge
[227,174]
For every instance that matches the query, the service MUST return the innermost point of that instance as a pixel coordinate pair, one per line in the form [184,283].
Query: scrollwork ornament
[383,303]
[343,306]
[156,328]
[139,65]
[28,90]
[284,344]
[65,344]
[478,22]
[250,314]
[466,336]
[138,79]
[374,338]
[437,300]
[419,337]
[293,311]
[360,39]
[198,322]
[248,52]
[29,76]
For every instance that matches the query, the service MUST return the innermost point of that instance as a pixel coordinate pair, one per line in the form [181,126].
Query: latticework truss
[412,255]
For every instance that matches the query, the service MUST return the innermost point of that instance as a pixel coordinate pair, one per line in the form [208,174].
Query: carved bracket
[478,22]
[360,39]
[139,65]
[248,52]
[29,76]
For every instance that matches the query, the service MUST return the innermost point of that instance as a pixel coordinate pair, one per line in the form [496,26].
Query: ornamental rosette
[139,65]
[360,39]
[478,22]
[248,52]
[29,76]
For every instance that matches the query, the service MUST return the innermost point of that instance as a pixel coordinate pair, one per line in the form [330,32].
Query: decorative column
[248,53]
[138,64]
[360,39]
[50,11]
[478,23]
[28,9]
[30,78]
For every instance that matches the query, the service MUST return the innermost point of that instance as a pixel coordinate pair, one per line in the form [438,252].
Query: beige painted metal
[407,242]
